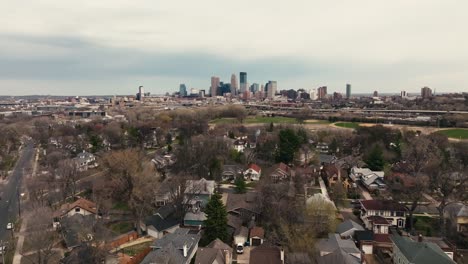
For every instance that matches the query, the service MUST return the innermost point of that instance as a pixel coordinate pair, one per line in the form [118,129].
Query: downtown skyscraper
[214,86]
[243,82]
[348,91]
[182,90]
[234,86]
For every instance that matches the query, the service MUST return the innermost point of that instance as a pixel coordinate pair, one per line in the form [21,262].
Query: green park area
[257,120]
[457,133]
[347,125]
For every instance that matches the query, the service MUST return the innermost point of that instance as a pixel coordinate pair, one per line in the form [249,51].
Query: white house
[253,172]
[393,212]
[85,160]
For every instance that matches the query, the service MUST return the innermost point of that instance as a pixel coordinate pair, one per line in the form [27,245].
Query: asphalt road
[9,192]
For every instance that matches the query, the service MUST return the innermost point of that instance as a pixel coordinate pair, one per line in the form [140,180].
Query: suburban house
[164,195]
[81,206]
[243,205]
[336,250]
[393,212]
[178,247]
[198,193]
[326,159]
[458,215]
[230,172]
[332,174]
[281,172]
[322,147]
[347,228]
[267,255]
[407,251]
[195,219]
[217,252]
[364,173]
[256,235]
[85,161]
[378,224]
[162,222]
[240,145]
[373,182]
[447,247]
[162,161]
[253,173]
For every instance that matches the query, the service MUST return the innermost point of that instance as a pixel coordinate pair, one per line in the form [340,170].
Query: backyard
[456,133]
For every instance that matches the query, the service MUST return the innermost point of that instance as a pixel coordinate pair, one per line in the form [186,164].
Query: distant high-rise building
[271,88]
[234,85]
[194,92]
[214,86]
[313,94]
[243,82]
[426,92]
[182,90]
[348,91]
[141,94]
[376,94]
[322,92]
[202,93]
[403,94]
[337,96]
[254,88]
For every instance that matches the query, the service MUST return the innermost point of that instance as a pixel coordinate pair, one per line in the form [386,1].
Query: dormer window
[77,210]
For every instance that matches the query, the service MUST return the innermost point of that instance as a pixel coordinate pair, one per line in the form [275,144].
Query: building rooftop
[420,252]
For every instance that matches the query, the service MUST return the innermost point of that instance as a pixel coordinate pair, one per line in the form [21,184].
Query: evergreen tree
[216,222]
[289,143]
[375,160]
[241,186]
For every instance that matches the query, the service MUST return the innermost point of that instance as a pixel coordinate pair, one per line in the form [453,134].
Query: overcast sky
[113,46]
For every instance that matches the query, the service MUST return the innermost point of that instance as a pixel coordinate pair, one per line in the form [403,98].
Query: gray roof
[215,251]
[338,256]
[334,242]
[169,249]
[163,218]
[420,252]
[348,225]
[189,216]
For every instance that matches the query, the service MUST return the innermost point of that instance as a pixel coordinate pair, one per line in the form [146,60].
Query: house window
[77,209]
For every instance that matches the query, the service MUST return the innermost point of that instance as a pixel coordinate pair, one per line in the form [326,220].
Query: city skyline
[111,48]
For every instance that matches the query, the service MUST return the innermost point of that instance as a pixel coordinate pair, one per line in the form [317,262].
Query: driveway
[244,258]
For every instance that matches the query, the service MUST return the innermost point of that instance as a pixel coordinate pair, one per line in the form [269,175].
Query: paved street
[9,192]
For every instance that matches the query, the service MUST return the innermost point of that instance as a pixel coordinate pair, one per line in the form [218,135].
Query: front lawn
[121,227]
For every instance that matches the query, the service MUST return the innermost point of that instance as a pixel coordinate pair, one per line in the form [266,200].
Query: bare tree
[68,176]
[420,154]
[41,237]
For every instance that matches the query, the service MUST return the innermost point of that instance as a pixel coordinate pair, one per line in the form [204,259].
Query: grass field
[457,133]
[121,227]
[257,120]
[347,125]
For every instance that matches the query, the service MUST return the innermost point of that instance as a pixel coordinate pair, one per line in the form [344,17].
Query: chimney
[185,249]
[420,238]
[282,255]
[226,257]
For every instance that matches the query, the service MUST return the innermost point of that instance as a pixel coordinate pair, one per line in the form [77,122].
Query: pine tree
[241,186]
[216,222]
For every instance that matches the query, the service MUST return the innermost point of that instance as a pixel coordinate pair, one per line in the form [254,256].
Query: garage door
[256,242]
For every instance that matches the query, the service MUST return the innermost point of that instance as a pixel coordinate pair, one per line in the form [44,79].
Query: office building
[254,88]
[234,85]
[426,92]
[141,94]
[348,91]
[403,94]
[271,88]
[214,86]
[243,82]
[313,94]
[322,92]
[376,94]
[182,90]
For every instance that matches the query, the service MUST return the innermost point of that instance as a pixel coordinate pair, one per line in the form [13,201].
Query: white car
[2,250]
[9,226]
[239,249]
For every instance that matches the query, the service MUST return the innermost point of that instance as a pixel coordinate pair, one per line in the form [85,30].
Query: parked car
[3,250]
[9,226]
[239,249]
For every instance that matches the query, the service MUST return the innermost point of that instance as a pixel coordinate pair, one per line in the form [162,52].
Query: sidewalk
[19,245]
